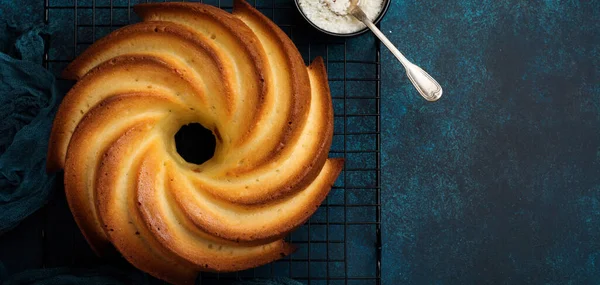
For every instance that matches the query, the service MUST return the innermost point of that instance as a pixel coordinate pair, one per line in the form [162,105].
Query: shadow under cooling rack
[341,243]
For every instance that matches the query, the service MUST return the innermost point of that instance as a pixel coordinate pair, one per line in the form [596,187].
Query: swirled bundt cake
[236,74]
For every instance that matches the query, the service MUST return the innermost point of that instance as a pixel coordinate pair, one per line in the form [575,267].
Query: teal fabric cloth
[29,98]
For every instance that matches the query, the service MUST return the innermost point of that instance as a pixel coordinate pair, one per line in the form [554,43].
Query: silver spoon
[423,82]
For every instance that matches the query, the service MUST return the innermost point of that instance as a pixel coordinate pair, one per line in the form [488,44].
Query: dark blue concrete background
[499,182]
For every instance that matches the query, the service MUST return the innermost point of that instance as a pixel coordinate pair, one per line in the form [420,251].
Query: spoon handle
[423,82]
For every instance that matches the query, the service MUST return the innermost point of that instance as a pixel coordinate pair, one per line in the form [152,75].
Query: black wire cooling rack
[341,243]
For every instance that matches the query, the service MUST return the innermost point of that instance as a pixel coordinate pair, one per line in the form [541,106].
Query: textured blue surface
[499,182]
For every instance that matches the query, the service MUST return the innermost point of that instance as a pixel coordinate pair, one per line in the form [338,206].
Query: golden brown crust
[240,36]
[203,250]
[86,93]
[299,78]
[99,124]
[121,220]
[263,223]
[156,31]
[237,74]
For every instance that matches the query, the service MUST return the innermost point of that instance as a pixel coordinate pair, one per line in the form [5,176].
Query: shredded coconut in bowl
[325,14]
[339,7]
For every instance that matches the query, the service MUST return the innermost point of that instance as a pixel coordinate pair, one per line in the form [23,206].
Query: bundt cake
[238,75]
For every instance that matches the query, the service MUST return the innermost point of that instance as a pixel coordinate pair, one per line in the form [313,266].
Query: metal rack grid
[341,243]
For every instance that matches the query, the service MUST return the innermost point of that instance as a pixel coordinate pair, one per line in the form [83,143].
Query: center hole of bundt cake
[195,143]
